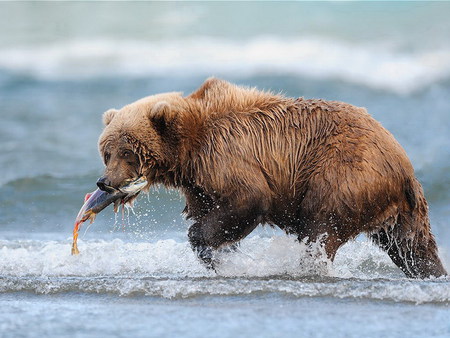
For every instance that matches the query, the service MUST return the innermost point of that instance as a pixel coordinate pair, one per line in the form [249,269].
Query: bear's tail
[407,237]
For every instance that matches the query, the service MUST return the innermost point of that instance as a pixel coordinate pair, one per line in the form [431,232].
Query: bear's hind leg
[411,247]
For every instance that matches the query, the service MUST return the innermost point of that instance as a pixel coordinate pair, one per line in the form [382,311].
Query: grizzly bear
[321,170]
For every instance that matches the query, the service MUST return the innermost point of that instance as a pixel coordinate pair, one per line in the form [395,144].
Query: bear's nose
[104,184]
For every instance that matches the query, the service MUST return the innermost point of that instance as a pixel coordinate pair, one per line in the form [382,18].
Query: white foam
[255,257]
[98,258]
[400,291]
[278,255]
[374,65]
[169,269]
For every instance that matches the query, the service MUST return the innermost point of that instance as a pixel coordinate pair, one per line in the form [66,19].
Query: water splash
[167,268]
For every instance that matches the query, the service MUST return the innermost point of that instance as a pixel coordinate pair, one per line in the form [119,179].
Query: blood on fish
[75,250]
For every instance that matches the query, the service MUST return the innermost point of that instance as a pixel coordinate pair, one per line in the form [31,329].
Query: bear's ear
[161,116]
[108,116]
[209,87]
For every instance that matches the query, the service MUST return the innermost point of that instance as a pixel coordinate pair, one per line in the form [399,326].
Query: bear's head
[140,139]
[154,137]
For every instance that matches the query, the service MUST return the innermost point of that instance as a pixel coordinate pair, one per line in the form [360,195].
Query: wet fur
[243,157]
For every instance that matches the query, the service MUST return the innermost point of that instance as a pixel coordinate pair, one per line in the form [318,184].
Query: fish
[98,200]
[132,187]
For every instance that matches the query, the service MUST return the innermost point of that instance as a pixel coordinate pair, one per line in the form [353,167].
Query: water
[63,64]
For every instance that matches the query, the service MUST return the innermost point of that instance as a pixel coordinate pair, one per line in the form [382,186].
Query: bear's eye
[107,157]
[127,154]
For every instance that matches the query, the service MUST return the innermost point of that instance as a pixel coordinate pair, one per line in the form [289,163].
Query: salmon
[98,200]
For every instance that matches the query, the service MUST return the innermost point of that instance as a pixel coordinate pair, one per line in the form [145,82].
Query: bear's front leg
[222,226]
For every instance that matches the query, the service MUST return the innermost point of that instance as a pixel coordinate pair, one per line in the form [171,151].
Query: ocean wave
[418,292]
[373,65]
[169,269]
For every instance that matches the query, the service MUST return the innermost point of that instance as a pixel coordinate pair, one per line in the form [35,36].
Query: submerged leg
[319,232]
[221,228]
[412,248]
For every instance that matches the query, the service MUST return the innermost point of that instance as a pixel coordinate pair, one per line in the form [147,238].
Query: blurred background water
[63,64]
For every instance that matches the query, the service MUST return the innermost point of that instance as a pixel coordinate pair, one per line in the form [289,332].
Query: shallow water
[136,274]
[265,315]
[267,288]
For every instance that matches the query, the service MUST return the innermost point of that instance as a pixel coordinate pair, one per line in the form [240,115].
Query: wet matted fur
[242,157]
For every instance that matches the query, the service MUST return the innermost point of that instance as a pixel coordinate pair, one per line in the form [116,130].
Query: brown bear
[321,170]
